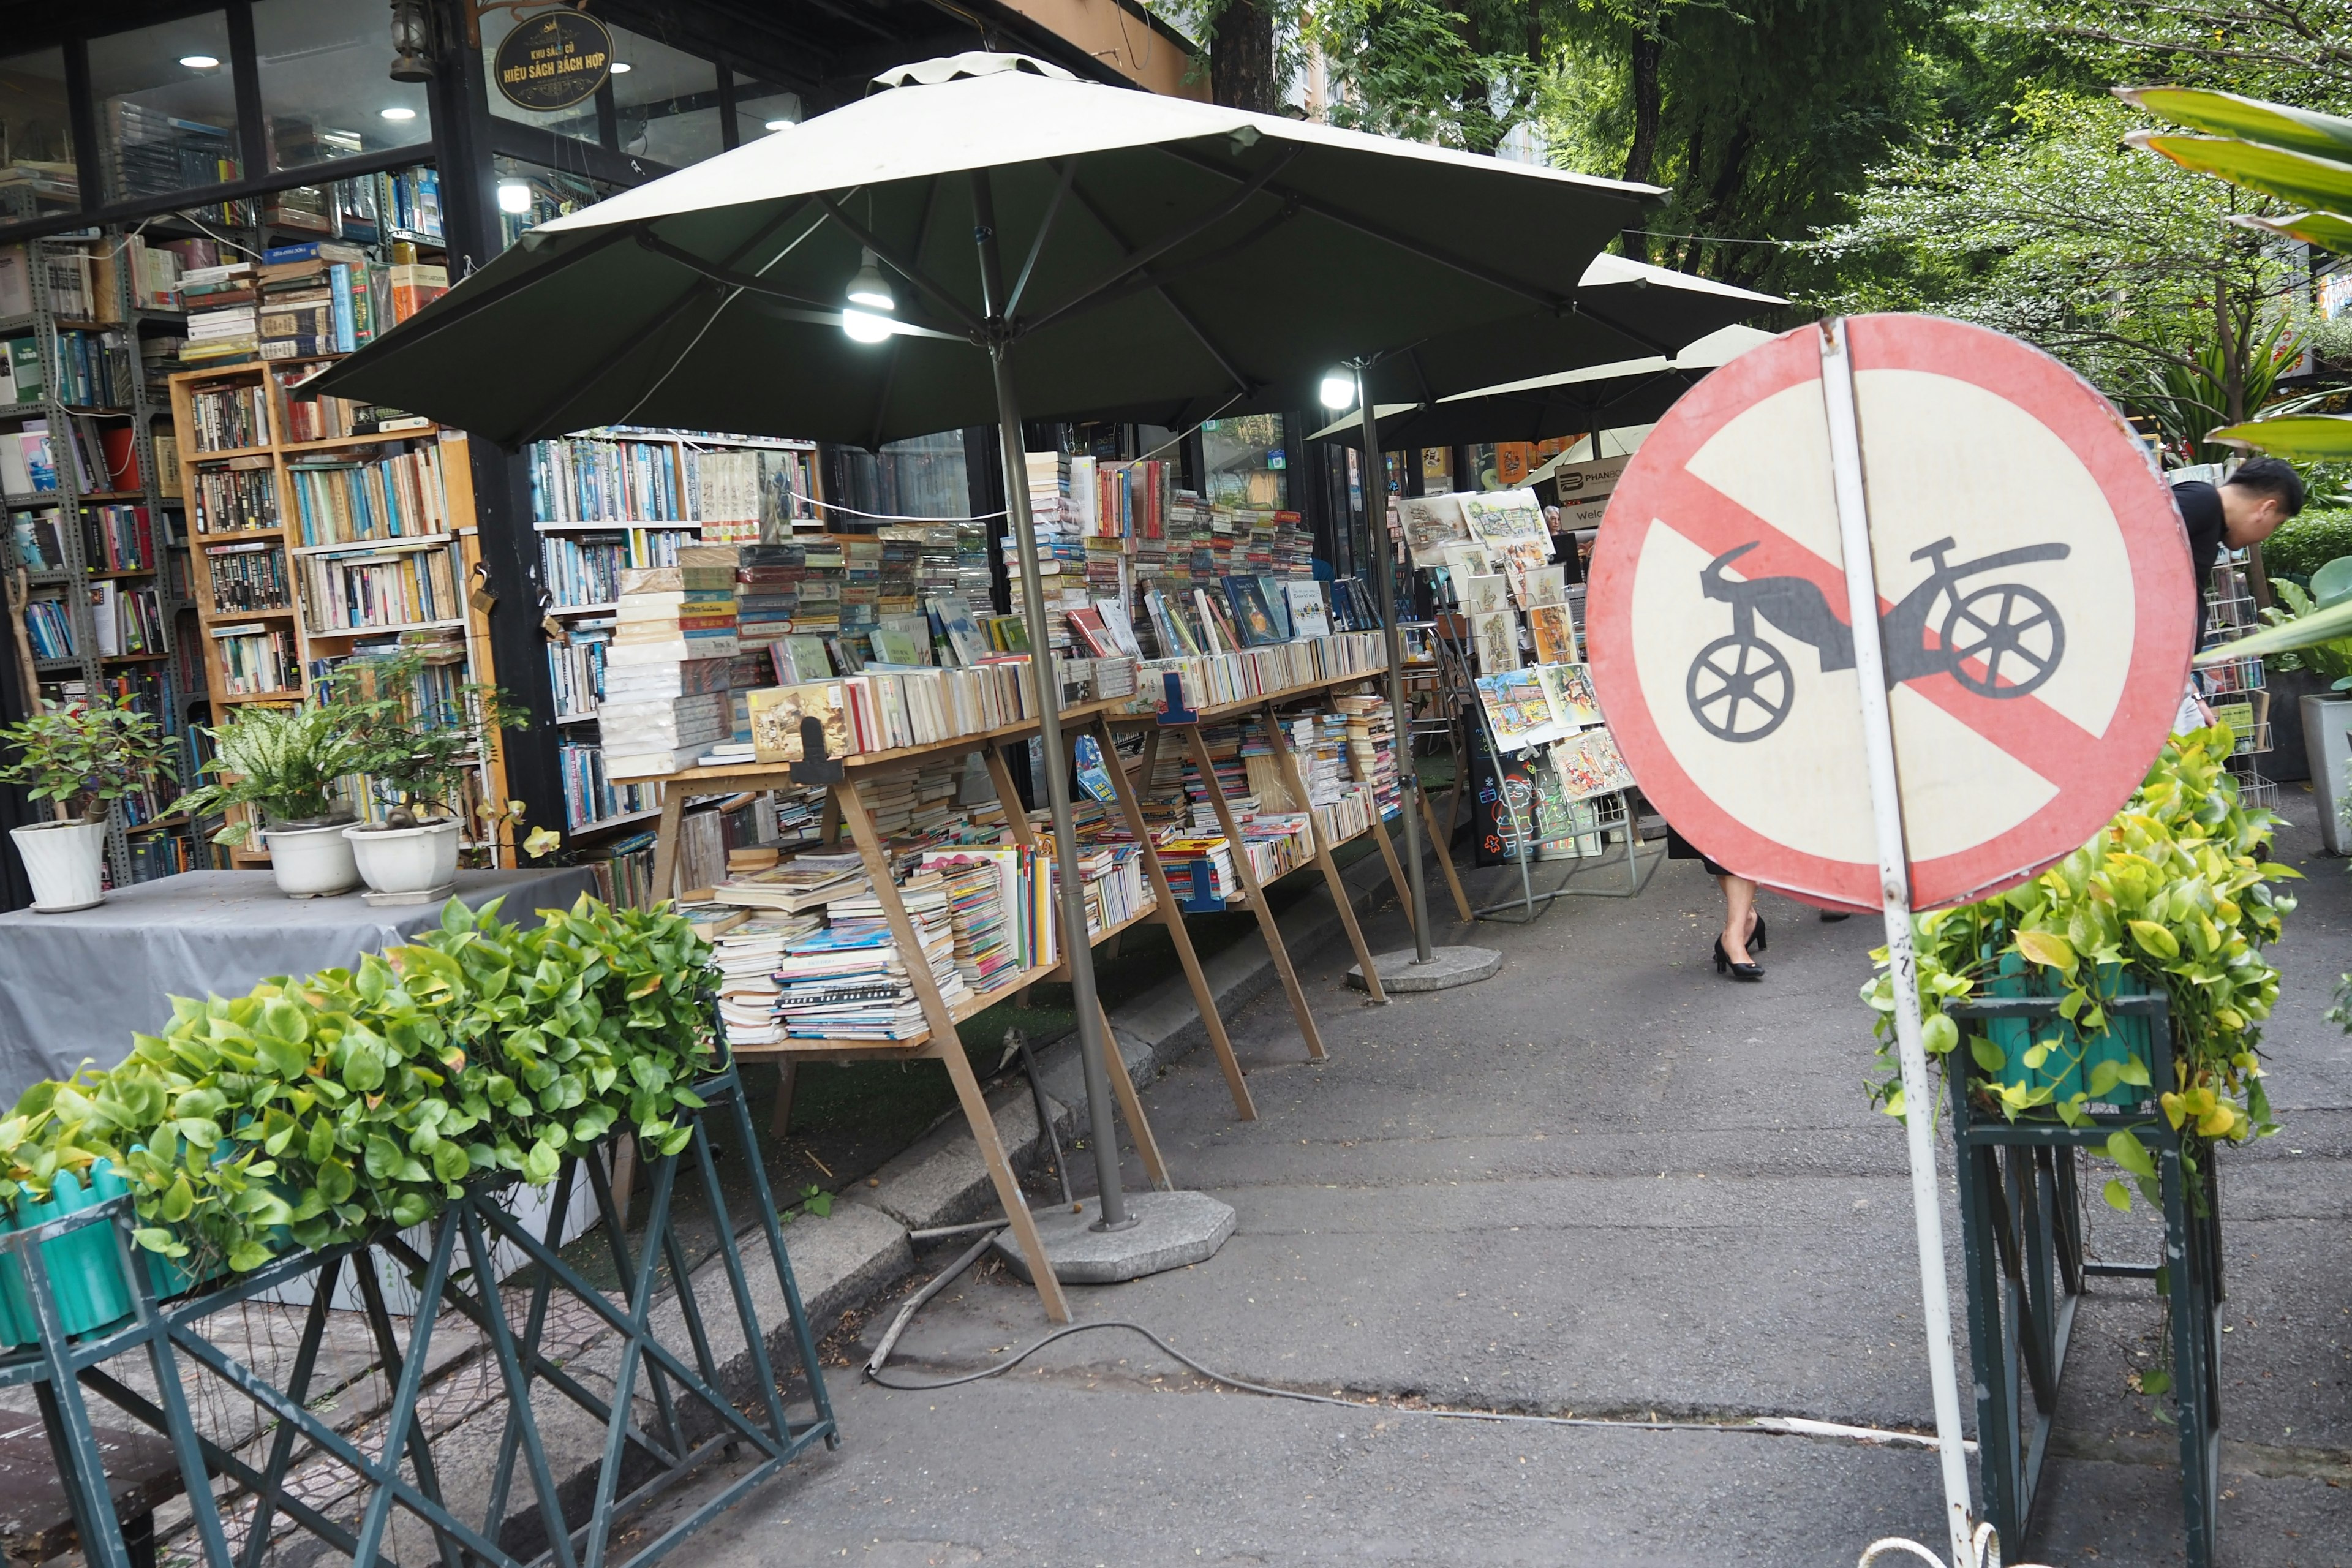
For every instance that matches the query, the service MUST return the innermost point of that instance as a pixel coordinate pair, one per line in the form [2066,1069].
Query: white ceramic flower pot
[406,860]
[311,861]
[63,861]
[2327,741]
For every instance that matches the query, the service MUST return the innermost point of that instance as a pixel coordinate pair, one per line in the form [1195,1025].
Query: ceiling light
[621,67]
[514,197]
[864,326]
[199,62]
[869,289]
[1339,390]
[781,124]
[397,112]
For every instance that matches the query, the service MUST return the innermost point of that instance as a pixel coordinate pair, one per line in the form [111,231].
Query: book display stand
[939,1041]
[1260,710]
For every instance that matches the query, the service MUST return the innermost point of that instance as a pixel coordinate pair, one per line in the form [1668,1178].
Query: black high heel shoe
[1755,942]
[1723,965]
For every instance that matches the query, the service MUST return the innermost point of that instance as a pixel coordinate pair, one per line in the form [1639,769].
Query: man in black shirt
[2245,508]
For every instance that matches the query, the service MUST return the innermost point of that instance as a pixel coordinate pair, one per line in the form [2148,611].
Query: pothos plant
[316,1110]
[2169,897]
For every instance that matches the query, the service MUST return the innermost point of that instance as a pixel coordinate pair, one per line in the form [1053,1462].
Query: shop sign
[2034,602]
[554,61]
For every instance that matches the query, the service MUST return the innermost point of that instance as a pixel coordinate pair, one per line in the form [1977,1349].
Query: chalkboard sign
[554,61]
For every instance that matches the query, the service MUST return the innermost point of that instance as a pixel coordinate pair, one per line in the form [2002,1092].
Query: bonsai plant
[283,762]
[83,759]
[418,739]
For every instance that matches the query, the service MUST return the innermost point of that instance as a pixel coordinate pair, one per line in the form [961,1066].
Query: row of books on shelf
[1209,681]
[85,279]
[92,370]
[99,456]
[591,794]
[382,591]
[299,301]
[114,538]
[127,621]
[585,478]
[397,491]
[224,418]
[257,657]
[250,576]
[585,568]
[331,419]
[236,497]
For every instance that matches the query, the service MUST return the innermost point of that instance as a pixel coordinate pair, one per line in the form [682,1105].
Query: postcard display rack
[845,807]
[1554,785]
[96,546]
[324,528]
[2235,688]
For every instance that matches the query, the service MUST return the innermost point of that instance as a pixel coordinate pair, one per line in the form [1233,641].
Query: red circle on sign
[2093,775]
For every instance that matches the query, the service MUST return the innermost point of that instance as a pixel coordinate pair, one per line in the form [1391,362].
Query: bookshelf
[93,524]
[366,541]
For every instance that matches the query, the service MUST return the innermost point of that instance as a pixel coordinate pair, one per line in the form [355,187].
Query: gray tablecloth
[75,986]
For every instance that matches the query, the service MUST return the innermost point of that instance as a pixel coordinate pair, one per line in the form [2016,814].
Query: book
[1119,627]
[1308,617]
[777,713]
[896,646]
[792,888]
[1517,710]
[1555,633]
[962,633]
[1092,632]
[1251,617]
[1588,763]
[1569,688]
[1277,605]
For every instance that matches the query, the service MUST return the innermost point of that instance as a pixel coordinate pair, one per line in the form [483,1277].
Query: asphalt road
[1605,1184]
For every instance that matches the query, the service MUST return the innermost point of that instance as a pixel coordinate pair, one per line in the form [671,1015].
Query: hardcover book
[1308,618]
[777,713]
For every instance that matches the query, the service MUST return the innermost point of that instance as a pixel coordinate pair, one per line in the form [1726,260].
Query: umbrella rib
[728,275]
[1103,221]
[1148,279]
[1386,236]
[1136,261]
[906,269]
[645,333]
[1037,245]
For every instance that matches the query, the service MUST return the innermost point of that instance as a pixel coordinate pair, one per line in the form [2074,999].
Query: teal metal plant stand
[2022,1239]
[696,1413]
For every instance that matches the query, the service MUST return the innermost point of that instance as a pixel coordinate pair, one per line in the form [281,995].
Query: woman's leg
[1739,916]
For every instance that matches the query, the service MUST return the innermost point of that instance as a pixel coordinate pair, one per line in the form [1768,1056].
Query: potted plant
[283,763]
[83,758]
[418,739]
[2326,714]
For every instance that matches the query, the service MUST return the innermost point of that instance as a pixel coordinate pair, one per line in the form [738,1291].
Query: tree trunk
[1241,58]
[1642,156]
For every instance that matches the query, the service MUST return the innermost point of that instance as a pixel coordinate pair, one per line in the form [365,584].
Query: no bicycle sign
[2034,609]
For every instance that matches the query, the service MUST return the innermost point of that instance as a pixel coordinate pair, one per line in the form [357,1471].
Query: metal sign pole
[1895,891]
[1376,527]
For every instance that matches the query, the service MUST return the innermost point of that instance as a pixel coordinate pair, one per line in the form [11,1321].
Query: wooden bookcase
[275,458]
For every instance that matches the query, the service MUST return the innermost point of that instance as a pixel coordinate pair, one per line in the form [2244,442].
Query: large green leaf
[2328,231]
[2292,176]
[2227,114]
[2307,437]
[2303,631]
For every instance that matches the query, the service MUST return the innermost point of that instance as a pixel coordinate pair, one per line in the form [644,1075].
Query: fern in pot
[81,759]
[419,736]
[285,764]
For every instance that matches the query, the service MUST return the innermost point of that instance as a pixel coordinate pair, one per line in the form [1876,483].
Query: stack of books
[669,666]
[746,954]
[220,301]
[797,886]
[1371,745]
[986,951]
[309,306]
[850,982]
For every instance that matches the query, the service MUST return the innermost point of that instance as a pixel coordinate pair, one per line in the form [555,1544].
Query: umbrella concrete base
[1447,967]
[1171,1230]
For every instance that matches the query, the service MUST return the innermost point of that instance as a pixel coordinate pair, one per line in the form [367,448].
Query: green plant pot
[2066,1071]
[84,1270]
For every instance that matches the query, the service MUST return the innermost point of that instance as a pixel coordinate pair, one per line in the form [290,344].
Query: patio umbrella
[991,239]
[1576,403]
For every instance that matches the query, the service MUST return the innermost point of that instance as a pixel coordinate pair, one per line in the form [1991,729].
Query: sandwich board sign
[1892,612]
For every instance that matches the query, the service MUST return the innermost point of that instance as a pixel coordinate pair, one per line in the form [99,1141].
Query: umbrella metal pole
[1384,576]
[1054,756]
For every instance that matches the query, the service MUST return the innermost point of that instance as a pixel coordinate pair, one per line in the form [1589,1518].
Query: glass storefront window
[324,86]
[665,100]
[922,475]
[579,123]
[761,108]
[1246,461]
[167,107]
[529,194]
[37,165]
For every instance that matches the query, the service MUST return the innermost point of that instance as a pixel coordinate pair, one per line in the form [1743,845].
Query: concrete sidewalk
[1604,1183]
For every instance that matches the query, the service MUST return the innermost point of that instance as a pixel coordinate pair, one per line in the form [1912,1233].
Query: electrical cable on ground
[1770,1426]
